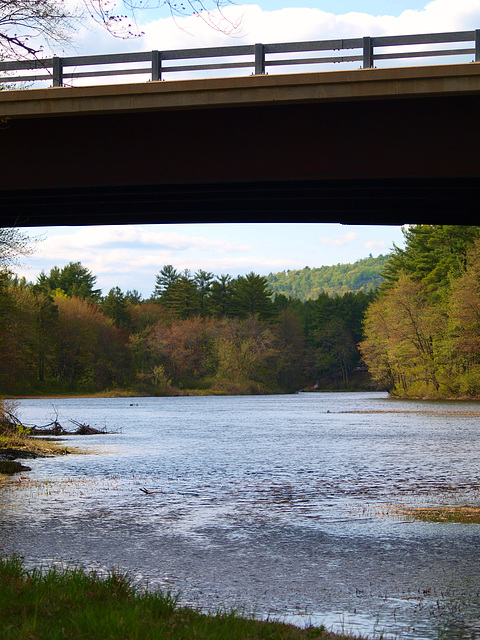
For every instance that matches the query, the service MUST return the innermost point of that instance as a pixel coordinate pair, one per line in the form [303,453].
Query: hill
[308,284]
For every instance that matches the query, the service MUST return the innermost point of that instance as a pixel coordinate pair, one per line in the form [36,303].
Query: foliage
[73,279]
[432,254]
[250,296]
[115,306]
[91,351]
[309,284]
[202,333]
[422,332]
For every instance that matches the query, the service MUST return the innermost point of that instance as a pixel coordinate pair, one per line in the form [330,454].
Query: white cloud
[291,24]
[375,244]
[339,241]
[89,240]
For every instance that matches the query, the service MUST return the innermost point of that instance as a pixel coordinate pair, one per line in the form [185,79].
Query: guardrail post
[156,65]
[57,72]
[477,45]
[259,59]
[367,53]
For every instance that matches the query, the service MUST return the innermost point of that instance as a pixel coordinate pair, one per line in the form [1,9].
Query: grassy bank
[72,604]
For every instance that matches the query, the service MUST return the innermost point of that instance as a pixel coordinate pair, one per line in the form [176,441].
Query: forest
[197,333]
[422,332]
[417,332]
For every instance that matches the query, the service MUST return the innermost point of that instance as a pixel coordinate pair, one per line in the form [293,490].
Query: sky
[131,256]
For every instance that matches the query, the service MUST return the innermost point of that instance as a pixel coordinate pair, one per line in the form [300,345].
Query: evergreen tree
[182,297]
[221,296]
[251,296]
[115,306]
[168,275]
[203,281]
[73,280]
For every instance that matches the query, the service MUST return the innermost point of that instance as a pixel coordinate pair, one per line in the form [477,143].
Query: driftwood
[55,429]
[86,429]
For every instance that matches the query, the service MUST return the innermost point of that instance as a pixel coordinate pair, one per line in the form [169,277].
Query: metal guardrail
[258,57]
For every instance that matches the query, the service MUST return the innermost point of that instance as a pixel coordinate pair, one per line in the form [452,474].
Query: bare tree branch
[25,24]
[13,243]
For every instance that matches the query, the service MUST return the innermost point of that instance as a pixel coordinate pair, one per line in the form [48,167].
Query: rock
[9,467]
[13,454]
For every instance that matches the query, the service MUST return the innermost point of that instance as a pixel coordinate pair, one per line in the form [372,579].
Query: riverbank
[14,459]
[75,604]
[17,445]
[357,381]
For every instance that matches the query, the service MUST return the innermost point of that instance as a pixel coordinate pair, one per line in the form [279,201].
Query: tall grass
[59,604]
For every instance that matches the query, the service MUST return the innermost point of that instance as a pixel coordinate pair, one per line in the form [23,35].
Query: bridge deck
[383,146]
[326,86]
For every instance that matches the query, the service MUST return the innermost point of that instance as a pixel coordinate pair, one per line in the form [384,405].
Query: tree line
[422,333]
[211,334]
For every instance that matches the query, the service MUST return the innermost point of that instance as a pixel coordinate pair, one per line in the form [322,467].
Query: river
[289,506]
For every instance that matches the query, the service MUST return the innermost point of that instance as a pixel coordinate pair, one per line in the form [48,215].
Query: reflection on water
[292,506]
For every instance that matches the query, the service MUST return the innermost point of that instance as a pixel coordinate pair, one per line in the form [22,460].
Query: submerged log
[52,429]
[85,429]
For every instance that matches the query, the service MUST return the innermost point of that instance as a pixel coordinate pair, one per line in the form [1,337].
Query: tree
[133,296]
[114,305]
[404,331]
[167,276]
[336,350]
[203,280]
[432,254]
[461,347]
[45,324]
[91,352]
[73,280]
[182,297]
[24,20]
[251,296]
[221,296]
[13,243]
[289,347]
[26,24]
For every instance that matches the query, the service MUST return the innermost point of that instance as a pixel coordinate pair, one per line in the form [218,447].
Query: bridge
[385,145]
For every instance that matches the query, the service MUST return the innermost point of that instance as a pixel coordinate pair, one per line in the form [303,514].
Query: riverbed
[298,507]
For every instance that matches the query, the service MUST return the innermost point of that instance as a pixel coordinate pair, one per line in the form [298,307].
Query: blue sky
[130,257]
[338,7]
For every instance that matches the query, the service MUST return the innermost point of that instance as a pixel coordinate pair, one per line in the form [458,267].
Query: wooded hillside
[308,283]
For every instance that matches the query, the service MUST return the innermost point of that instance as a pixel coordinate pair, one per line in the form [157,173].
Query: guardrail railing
[258,57]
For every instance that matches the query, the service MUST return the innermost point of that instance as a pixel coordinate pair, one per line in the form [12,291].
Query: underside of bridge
[383,202]
[392,159]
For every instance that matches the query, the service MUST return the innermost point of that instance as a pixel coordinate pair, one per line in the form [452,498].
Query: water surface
[276,505]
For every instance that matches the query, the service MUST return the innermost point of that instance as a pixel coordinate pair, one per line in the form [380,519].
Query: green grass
[71,604]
